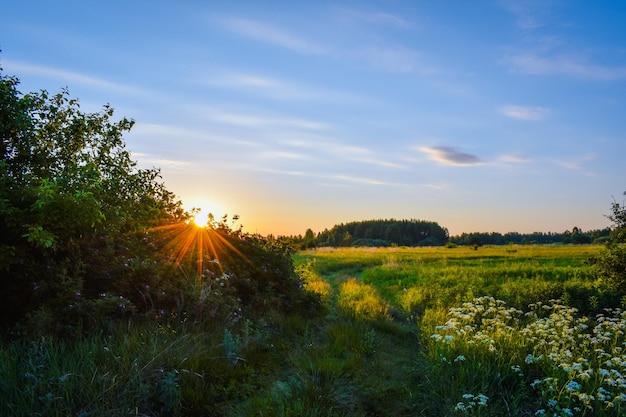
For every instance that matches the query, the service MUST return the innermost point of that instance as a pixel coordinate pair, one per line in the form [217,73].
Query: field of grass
[415,280]
[403,332]
[503,331]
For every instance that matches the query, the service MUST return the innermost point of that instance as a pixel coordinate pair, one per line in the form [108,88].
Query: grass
[405,332]
[486,348]
[418,279]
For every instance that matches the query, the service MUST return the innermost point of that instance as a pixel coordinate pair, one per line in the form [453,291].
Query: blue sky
[479,115]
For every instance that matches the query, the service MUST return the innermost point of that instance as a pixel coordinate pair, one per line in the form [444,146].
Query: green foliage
[574,236]
[610,264]
[618,217]
[86,237]
[384,233]
[415,280]
[263,275]
[68,188]
[218,356]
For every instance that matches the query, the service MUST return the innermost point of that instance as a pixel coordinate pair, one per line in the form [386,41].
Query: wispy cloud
[328,146]
[380,163]
[397,59]
[69,76]
[346,152]
[576,163]
[247,120]
[281,154]
[534,64]
[449,156]
[359,180]
[159,161]
[336,179]
[516,159]
[525,112]
[380,18]
[265,32]
[279,88]
[530,15]
[185,135]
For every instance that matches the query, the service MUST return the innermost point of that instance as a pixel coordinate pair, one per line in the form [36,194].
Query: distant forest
[575,236]
[380,233]
[391,232]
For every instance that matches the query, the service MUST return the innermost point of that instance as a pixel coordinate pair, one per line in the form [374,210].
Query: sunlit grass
[416,279]
[314,282]
[477,361]
[362,301]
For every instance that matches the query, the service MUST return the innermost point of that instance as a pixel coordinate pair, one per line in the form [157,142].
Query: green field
[402,332]
[417,279]
[516,330]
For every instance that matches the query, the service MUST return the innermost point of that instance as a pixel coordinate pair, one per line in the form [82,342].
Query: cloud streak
[267,33]
[379,18]
[262,121]
[159,161]
[279,89]
[524,112]
[358,180]
[397,59]
[70,76]
[446,155]
[532,64]
[345,152]
[515,159]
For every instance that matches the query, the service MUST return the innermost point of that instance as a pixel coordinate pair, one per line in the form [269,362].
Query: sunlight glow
[201,218]
[204,209]
[203,247]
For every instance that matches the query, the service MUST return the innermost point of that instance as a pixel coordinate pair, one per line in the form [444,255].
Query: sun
[204,213]
[202,217]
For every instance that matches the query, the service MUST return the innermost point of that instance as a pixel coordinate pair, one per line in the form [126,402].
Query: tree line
[390,232]
[376,233]
[574,236]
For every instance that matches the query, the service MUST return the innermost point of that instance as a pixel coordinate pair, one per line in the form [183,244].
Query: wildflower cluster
[577,365]
[484,323]
[471,402]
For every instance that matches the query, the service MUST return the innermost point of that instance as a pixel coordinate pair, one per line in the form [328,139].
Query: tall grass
[417,279]
[572,365]
[485,350]
[141,369]
[404,332]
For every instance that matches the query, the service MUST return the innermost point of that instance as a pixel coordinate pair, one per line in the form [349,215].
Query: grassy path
[382,349]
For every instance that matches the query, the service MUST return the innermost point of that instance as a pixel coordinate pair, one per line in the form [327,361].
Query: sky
[483,116]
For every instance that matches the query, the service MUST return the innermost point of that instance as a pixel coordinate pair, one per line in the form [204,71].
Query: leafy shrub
[68,190]
[86,236]
[610,264]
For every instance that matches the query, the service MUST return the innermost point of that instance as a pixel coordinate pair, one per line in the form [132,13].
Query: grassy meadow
[497,331]
[501,331]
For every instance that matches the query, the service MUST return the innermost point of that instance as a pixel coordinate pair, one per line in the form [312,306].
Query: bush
[610,264]
[87,237]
